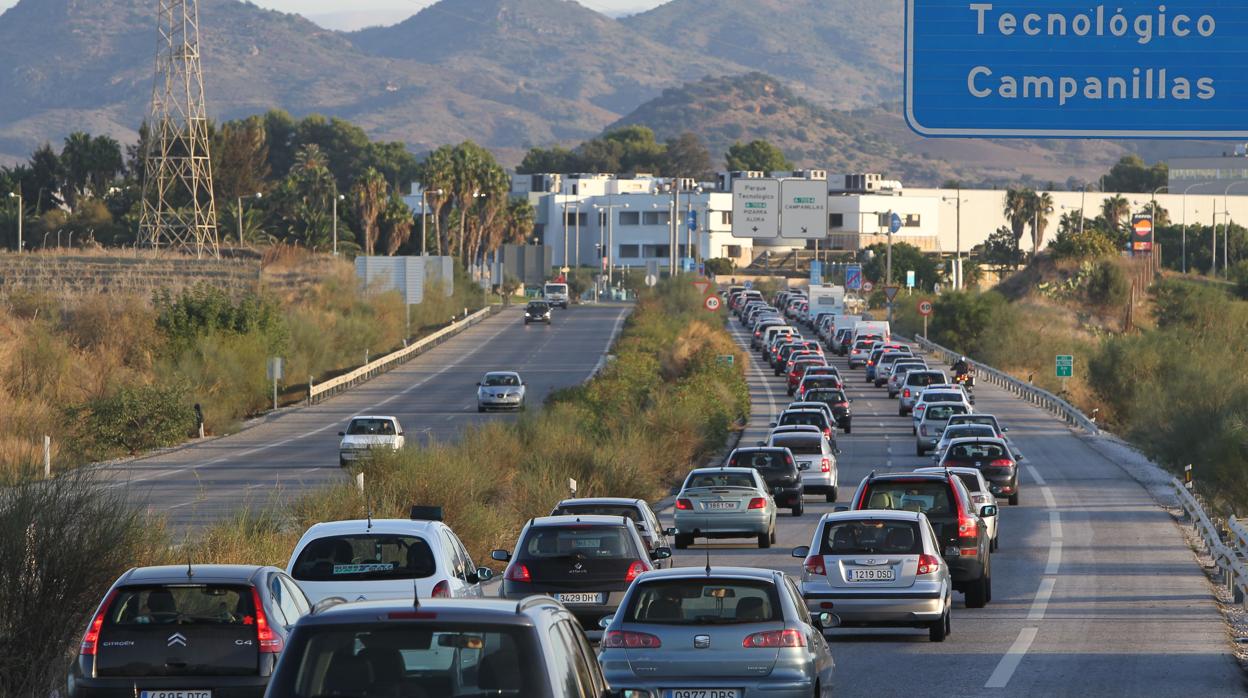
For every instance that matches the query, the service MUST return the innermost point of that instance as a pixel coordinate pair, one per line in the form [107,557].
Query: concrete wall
[129,273]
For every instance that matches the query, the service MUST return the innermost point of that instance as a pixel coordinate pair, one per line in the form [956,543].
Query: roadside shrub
[1107,285]
[134,419]
[970,322]
[1092,243]
[203,309]
[720,266]
[1239,274]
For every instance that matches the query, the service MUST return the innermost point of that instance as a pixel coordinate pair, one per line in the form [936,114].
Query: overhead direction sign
[1075,69]
[756,208]
[853,277]
[804,209]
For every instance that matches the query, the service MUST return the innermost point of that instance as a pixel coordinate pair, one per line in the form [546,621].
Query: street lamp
[337,197]
[609,245]
[1226,230]
[1035,231]
[257,195]
[424,217]
[21,215]
[1185,191]
[957,274]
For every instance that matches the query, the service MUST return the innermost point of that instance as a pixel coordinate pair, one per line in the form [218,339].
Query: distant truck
[825,299]
[873,327]
[556,294]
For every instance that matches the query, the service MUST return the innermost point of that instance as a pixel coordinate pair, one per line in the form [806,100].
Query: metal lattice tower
[179,211]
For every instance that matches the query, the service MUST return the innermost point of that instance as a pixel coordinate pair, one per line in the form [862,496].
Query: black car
[537,311]
[960,529]
[993,458]
[585,562]
[196,629]
[835,399]
[779,471]
[533,648]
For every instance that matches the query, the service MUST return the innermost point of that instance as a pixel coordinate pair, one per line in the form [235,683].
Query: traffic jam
[609,596]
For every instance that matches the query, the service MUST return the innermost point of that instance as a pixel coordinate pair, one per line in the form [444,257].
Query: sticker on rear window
[364,568]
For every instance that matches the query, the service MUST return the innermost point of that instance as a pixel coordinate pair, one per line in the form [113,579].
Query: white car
[371,559]
[935,395]
[980,491]
[367,433]
[500,390]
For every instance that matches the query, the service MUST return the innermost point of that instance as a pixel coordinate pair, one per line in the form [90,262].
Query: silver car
[981,493]
[897,374]
[816,460]
[878,567]
[913,386]
[932,425]
[725,503]
[724,632]
[500,390]
[954,430]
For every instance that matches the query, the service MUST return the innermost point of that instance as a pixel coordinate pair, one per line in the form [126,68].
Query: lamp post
[337,198]
[1035,231]
[688,214]
[1185,191]
[609,247]
[575,206]
[21,215]
[957,266]
[257,195]
[424,217]
[1226,230]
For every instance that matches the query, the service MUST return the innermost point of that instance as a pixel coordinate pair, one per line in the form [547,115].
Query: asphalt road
[434,397]
[1095,592]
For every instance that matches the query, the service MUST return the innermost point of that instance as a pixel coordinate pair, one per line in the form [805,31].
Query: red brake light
[828,433]
[621,639]
[814,565]
[684,504]
[775,638]
[442,590]
[91,638]
[758,503]
[966,525]
[635,569]
[906,393]
[928,564]
[518,573]
[1001,463]
[842,404]
[826,465]
[268,640]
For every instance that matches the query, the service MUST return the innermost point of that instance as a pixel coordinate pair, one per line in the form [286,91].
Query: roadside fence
[1228,551]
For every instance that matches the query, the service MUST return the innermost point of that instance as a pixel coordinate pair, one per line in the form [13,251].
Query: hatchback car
[838,402]
[993,458]
[636,510]
[368,434]
[913,386]
[860,352]
[445,647]
[584,562]
[932,396]
[537,311]
[884,365]
[797,369]
[878,568]
[820,418]
[816,382]
[932,425]
[203,630]
[717,633]
[981,493]
[500,390]
[779,471]
[897,374]
[989,420]
[368,559]
[959,431]
[816,460]
[725,503]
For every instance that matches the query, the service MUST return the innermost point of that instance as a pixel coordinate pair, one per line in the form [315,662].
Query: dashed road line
[1013,657]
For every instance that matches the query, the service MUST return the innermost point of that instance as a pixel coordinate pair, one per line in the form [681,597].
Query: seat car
[877,354]
[881,568]
[958,523]
[385,559]
[981,493]
[993,458]
[779,471]
[816,381]
[187,630]
[365,434]
[884,366]
[859,353]
[500,390]
[537,311]
[584,562]
[816,460]
[932,425]
[913,385]
[798,369]
[932,395]
[721,632]
[837,401]
[440,648]
[725,503]
[637,510]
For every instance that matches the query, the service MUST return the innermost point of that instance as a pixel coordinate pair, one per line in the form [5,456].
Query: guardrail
[1227,554]
[316,393]
[1026,391]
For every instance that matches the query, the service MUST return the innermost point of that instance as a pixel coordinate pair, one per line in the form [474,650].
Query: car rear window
[719,480]
[804,445]
[592,542]
[971,482]
[978,419]
[962,431]
[704,601]
[871,537]
[628,512]
[813,419]
[816,382]
[182,604]
[362,427]
[825,395]
[942,397]
[923,378]
[944,412]
[373,660]
[762,460]
[927,496]
[977,451]
[365,557]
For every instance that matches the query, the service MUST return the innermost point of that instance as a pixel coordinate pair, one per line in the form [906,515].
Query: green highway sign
[1065,366]
[726,359]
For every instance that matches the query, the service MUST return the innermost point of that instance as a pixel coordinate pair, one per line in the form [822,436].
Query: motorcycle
[967,381]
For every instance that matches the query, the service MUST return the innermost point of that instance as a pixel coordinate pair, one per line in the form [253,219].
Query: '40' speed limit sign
[712,303]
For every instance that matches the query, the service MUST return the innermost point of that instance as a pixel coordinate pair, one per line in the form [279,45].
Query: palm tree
[1017,211]
[368,200]
[1114,210]
[1041,206]
[397,224]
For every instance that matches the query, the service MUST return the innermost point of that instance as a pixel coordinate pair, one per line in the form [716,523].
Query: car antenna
[368,505]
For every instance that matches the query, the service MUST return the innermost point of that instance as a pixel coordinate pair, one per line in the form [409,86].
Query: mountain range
[512,74]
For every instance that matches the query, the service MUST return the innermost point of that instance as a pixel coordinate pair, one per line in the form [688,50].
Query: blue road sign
[894,223]
[853,277]
[816,272]
[749,285]
[1073,68]
[909,279]
[692,221]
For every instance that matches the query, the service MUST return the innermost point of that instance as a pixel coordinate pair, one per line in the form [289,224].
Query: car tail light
[1001,463]
[758,503]
[825,465]
[870,363]
[91,638]
[775,638]
[928,564]
[966,525]
[684,504]
[268,640]
[518,573]
[635,569]
[814,565]
[627,639]
[411,615]
[841,404]
[442,590]
[906,393]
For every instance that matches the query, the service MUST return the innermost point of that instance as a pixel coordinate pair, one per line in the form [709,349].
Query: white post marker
[47,457]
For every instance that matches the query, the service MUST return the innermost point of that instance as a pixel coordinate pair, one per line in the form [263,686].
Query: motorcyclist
[961,367]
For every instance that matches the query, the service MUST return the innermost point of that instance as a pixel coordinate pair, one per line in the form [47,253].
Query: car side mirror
[988,510]
[484,574]
[605,622]
[342,433]
[669,531]
[801,551]
[772,425]
[1004,429]
[841,507]
[760,443]
[661,554]
[825,621]
[500,555]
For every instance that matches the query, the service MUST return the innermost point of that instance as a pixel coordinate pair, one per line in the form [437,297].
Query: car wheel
[918,450]
[977,593]
[773,533]
[830,496]
[683,541]
[848,430]
[988,589]
[799,508]
[480,408]
[939,628]
[764,540]
[1014,499]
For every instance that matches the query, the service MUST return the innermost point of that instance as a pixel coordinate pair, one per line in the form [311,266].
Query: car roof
[502,373]
[939,476]
[751,449]
[614,501]
[176,574]
[955,469]
[753,573]
[375,416]
[360,526]
[980,415]
[583,519]
[853,514]
[453,610]
[718,470]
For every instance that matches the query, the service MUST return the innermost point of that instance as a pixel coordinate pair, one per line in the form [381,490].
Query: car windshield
[365,557]
[761,460]
[977,451]
[500,379]
[962,431]
[363,427]
[628,512]
[923,378]
[704,601]
[927,496]
[719,480]
[556,288]
[814,419]
[942,397]
[943,412]
[584,541]
[399,659]
[825,395]
[871,537]
[539,306]
[799,444]
[182,604]
[814,383]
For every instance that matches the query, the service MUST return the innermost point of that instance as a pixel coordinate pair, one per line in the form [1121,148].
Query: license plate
[175,694]
[870,575]
[721,505]
[704,693]
[580,598]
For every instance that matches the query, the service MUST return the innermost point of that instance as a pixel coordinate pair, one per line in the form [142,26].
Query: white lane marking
[1035,475]
[1013,657]
[1055,558]
[1055,525]
[1049,500]
[1041,602]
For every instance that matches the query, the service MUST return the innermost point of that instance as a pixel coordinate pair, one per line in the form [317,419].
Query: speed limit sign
[712,303]
[867,287]
[925,308]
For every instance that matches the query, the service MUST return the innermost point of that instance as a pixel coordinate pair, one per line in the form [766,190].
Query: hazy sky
[331,13]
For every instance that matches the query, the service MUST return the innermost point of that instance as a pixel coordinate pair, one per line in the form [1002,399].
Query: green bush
[1092,243]
[135,419]
[1107,285]
[971,322]
[204,309]
[720,266]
